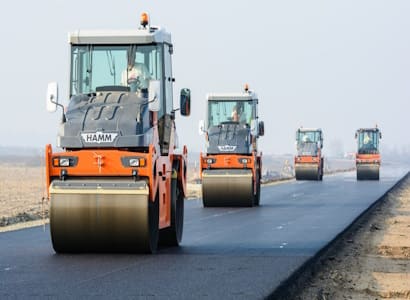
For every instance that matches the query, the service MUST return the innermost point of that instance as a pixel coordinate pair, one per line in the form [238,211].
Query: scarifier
[118,185]
[231,167]
[309,159]
[368,156]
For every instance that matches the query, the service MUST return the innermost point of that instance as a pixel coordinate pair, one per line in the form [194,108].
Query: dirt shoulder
[370,262]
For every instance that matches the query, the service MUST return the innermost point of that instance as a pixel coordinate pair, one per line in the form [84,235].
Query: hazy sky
[338,65]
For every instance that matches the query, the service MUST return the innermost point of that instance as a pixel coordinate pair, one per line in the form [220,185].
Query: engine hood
[106,119]
[307,149]
[229,138]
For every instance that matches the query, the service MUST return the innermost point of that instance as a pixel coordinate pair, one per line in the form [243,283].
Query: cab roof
[147,35]
[367,129]
[245,96]
[309,129]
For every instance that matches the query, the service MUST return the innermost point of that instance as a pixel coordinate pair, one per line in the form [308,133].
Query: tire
[172,235]
[258,189]
[153,211]
[321,171]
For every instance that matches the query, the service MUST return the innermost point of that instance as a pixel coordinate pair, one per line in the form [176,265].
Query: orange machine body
[99,163]
[368,158]
[309,159]
[251,161]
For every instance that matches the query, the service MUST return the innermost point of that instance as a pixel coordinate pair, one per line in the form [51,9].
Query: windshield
[308,136]
[368,142]
[231,111]
[114,65]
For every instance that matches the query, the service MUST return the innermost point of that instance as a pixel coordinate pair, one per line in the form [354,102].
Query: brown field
[22,190]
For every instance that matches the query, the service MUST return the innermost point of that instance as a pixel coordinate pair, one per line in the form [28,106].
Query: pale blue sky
[338,65]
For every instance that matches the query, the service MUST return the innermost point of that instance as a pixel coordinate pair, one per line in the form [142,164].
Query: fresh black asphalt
[226,253]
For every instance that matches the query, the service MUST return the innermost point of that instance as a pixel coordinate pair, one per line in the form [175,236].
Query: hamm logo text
[99,137]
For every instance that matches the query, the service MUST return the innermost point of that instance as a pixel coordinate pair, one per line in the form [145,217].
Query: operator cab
[309,141]
[235,111]
[117,77]
[232,123]
[368,140]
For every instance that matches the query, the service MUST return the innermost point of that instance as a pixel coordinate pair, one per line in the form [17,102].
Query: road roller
[309,159]
[231,167]
[119,181]
[368,156]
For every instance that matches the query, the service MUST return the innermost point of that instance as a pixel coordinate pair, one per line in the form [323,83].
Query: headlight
[65,161]
[133,161]
[209,161]
[244,160]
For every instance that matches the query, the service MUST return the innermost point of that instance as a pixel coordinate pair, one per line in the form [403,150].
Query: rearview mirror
[254,127]
[185,102]
[261,128]
[52,97]
[201,127]
[154,95]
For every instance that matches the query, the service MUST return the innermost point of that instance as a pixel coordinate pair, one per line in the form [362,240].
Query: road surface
[226,253]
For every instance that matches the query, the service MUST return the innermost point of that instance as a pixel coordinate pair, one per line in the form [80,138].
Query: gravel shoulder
[372,261]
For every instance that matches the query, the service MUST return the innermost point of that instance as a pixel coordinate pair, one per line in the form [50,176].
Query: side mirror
[201,127]
[185,102]
[154,95]
[254,127]
[380,135]
[52,97]
[261,128]
[355,135]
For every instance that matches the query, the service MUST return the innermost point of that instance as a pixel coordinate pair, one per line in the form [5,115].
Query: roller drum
[367,172]
[103,216]
[307,172]
[233,187]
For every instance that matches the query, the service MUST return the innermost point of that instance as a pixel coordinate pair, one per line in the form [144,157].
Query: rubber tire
[257,197]
[153,211]
[172,235]
[321,171]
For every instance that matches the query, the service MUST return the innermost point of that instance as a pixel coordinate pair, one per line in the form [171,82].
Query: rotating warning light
[144,19]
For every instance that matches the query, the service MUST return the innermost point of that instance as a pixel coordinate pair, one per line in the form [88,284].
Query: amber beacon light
[144,19]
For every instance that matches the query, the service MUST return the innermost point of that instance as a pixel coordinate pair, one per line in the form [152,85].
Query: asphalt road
[226,253]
